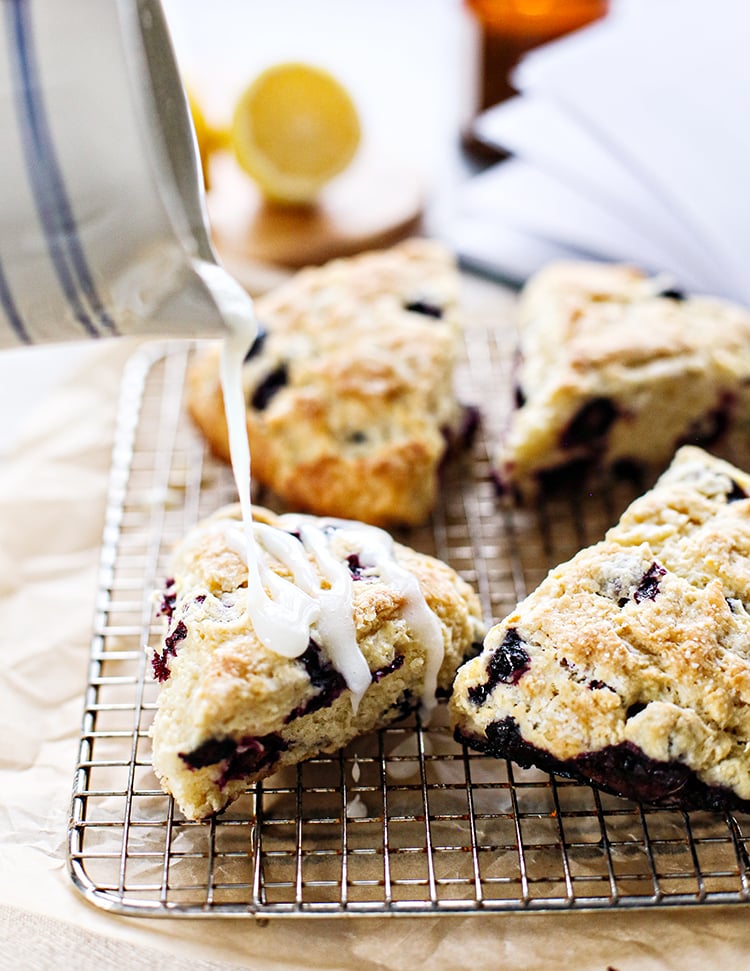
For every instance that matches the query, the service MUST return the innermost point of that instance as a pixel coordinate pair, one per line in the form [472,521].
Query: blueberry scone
[349,386]
[613,372]
[629,666]
[349,632]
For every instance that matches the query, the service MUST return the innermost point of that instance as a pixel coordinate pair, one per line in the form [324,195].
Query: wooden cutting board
[373,203]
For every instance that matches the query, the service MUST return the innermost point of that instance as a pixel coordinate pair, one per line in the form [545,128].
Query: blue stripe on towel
[11,311]
[51,198]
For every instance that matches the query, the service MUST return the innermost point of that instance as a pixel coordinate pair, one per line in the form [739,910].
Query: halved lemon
[294,128]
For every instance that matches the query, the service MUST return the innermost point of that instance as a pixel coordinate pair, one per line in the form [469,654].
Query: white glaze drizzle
[285,614]
[375,549]
[336,622]
[281,617]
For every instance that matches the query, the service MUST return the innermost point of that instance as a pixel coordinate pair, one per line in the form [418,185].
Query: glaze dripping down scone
[350,385]
[629,666]
[613,372]
[232,711]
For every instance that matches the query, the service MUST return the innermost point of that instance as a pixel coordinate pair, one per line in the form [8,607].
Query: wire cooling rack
[403,821]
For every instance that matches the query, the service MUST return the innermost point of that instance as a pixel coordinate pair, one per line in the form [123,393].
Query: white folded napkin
[631,143]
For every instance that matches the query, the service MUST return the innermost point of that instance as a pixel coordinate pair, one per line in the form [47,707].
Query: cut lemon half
[294,128]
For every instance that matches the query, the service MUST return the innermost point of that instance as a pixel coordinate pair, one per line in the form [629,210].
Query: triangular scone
[232,711]
[349,388]
[629,666]
[615,372]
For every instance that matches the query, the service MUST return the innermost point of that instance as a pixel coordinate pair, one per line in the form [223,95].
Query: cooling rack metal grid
[404,821]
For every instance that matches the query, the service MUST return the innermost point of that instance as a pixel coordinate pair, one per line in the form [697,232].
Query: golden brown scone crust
[614,370]
[366,405]
[231,711]
[629,665]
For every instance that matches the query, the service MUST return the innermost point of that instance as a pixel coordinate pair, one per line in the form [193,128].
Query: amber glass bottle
[510,28]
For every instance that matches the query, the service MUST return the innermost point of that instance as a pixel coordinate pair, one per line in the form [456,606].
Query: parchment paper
[52,492]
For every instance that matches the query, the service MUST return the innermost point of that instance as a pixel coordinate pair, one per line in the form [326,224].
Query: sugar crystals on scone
[349,386]
[629,666]
[616,371]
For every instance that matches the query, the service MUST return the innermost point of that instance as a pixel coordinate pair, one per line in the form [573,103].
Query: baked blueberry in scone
[349,387]
[629,666]
[614,372]
[376,630]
